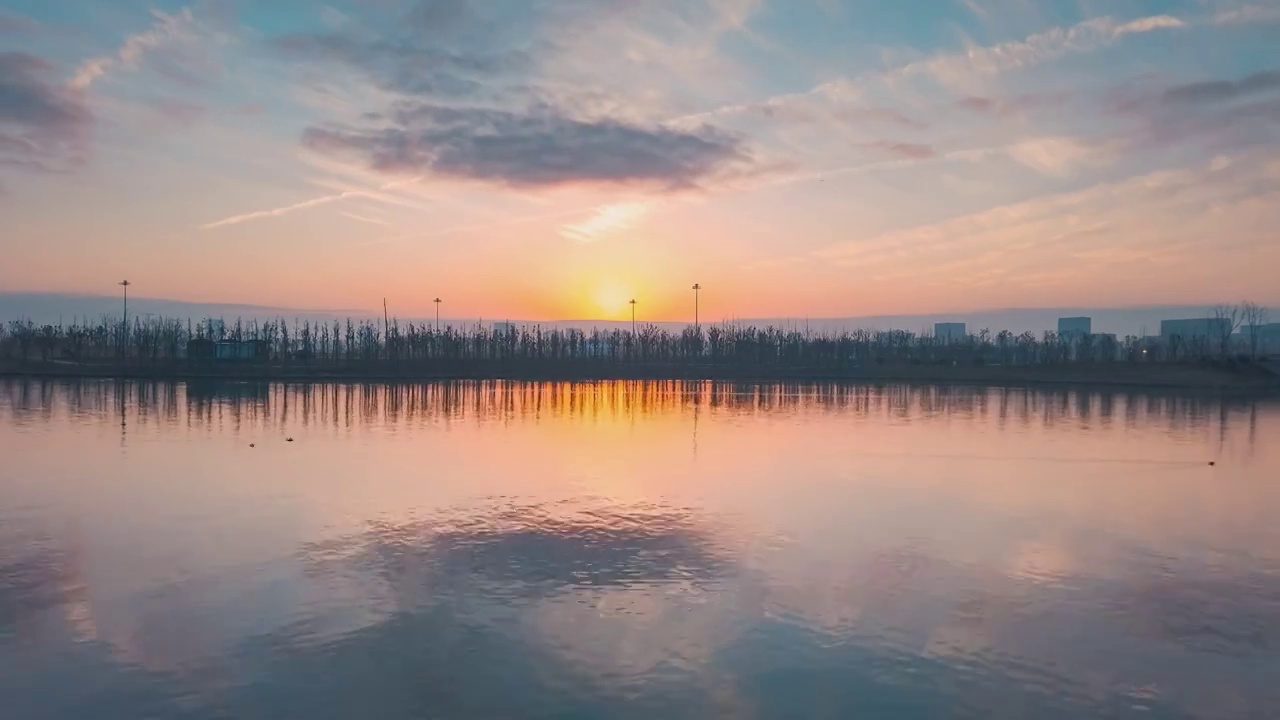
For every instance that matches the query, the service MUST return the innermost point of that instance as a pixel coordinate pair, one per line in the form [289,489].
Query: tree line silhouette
[402,347]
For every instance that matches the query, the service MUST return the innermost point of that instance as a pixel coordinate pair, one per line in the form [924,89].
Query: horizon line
[373,312]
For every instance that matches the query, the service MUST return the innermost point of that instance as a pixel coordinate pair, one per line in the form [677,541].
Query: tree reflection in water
[1062,590]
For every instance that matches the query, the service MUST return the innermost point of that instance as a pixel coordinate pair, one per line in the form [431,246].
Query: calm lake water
[646,550]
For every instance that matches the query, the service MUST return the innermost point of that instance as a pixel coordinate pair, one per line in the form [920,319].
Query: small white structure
[1075,326]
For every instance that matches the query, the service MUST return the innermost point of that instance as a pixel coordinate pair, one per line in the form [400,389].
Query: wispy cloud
[596,116]
[1219,116]
[472,227]
[953,68]
[364,218]
[1163,217]
[607,220]
[1057,156]
[555,96]
[1247,14]
[910,151]
[42,124]
[165,30]
[1092,34]
[1223,90]
[182,114]
[1012,105]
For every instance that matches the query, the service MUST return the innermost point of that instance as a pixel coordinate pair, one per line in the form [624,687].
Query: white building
[1075,326]
[949,331]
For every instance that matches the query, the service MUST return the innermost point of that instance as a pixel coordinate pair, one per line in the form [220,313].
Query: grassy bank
[1201,376]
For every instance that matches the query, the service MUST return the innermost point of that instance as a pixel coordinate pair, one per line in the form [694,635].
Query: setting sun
[611,298]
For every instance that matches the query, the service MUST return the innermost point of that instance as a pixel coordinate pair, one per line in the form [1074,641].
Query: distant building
[227,350]
[949,331]
[1267,336]
[200,349]
[504,327]
[240,350]
[894,337]
[1106,346]
[1195,329]
[1075,326]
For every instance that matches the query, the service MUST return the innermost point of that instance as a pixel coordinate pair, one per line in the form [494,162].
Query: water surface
[636,550]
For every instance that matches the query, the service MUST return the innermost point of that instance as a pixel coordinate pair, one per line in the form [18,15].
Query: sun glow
[611,298]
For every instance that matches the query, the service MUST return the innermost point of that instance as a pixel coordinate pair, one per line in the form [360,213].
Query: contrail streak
[277,212]
[313,202]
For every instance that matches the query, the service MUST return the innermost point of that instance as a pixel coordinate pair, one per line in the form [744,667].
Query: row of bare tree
[349,344]
[1250,316]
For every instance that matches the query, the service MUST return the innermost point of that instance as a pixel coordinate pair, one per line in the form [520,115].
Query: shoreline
[1253,380]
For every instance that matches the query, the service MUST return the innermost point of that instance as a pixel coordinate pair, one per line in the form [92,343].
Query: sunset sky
[549,159]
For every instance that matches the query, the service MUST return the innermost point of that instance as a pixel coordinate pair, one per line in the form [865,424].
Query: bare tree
[1255,316]
[1228,321]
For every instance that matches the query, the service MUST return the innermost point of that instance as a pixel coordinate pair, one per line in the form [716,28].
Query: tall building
[1075,326]
[1195,328]
[949,331]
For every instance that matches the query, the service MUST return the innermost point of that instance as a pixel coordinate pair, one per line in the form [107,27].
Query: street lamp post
[633,316]
[437,302]
[124,320]
[696,288]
